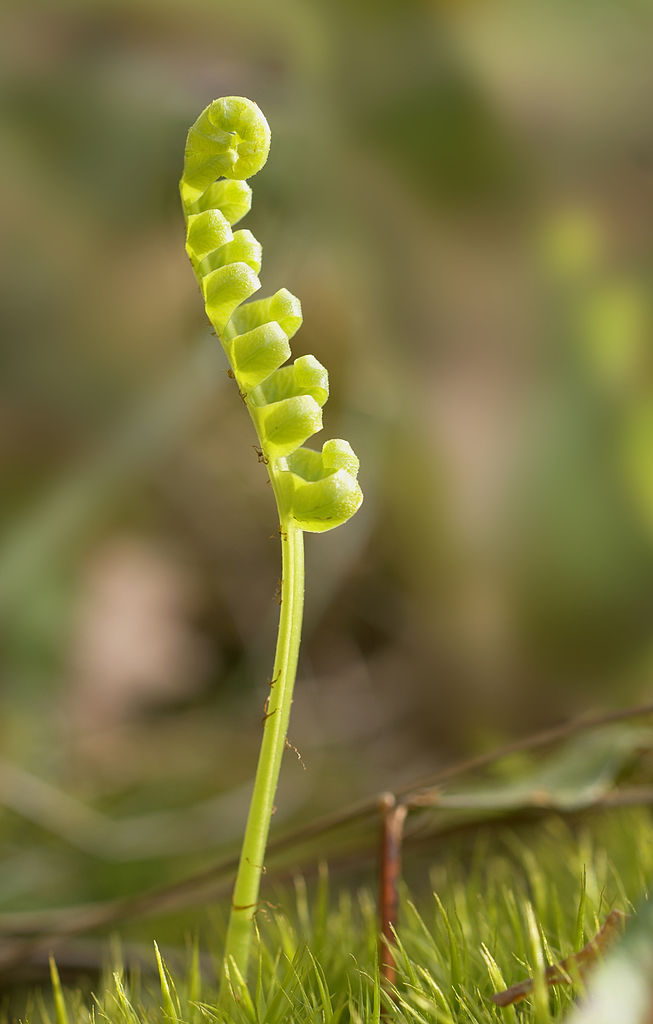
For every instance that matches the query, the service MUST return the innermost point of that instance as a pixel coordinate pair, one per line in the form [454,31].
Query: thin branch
[553,734]
[567,971]
[393,816]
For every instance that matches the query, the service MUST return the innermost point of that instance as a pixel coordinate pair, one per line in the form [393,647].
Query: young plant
[314,490]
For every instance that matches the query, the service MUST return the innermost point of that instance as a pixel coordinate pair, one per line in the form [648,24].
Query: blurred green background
[461,194]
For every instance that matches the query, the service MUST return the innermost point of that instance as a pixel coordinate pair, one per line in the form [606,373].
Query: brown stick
[393,816]
[564,972]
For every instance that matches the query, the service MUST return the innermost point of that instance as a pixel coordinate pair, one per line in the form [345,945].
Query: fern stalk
[275,728]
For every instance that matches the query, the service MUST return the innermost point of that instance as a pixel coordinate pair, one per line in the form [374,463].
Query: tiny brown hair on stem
[260,905]
[291,746]
[261,867]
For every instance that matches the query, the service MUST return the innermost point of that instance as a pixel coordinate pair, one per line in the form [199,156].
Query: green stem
[275,727]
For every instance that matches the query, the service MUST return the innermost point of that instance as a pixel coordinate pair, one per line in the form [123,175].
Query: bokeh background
[461,194]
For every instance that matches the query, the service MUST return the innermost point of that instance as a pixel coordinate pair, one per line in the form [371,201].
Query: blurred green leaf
[572,778]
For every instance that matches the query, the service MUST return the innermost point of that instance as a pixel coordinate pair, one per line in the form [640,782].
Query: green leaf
[257,353]
[320,488]
[232,198]
[306,376]
[224,289]
[283,426]
[206,232]
[242,248]
[283,306]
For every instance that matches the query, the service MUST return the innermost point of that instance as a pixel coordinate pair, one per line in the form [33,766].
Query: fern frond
[317,490]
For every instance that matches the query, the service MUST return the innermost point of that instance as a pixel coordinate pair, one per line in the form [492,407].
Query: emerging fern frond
[314,491]
[230,140]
